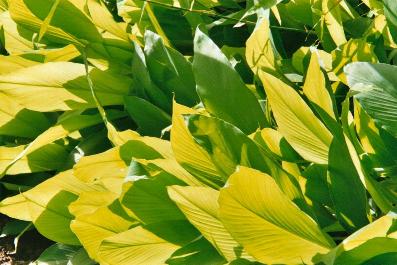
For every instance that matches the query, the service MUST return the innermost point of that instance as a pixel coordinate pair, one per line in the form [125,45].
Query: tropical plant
[201,132]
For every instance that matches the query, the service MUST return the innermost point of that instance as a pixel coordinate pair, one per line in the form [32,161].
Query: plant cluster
[201,132]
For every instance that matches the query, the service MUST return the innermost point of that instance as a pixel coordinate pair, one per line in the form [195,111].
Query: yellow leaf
[65,87]
[200,205]
[187,152]
[296,121]
[259,51]
[46,206]
[136,246]
[268,225]
[333,20]
[92,228]
[355,50]
[315,87]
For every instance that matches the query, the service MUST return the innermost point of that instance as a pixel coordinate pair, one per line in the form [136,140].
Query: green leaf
[345,186]
[376,84]
[31,14]
[262,218]
[15,120]
[228,148]
[46,205]
[170,70]
[145,87]
[367,251]
[150,119]
[60,254]
[221,88]
[377,230]
[147,199]
[390,9]
[47,158]
[197,252]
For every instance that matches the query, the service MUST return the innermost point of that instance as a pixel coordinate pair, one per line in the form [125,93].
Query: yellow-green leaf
[259,51]
[296,121]
[187,152]
[65,87]
[200,206]
[136,246]
[268,225]
[315,87]
[46,205]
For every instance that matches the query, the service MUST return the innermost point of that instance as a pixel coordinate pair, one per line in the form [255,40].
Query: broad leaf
[345,186]
[315,87]
[46,205]
[200,205]
[259,51]
[376,84]
[296,121]
[390,9]
[221,88]
[136,246]
[65,86]
[262,218]
[188,152]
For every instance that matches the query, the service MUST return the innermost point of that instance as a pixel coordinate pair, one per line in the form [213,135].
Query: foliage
[201,132]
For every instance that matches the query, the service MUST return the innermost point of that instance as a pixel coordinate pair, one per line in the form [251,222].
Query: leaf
[260,217]
[345,186]
[46,205]
[64,85]
[156,155]
[67,124]
[377,91]
[136,246]
[15,120]
[93,227]
[373,248]
[375,230]
[221,88]
[328,23]
[170,70]
[147,199]
[146,88]
[390,10]
[333,20]
[188,153]
[277,144]
[355,50]
[375,140]
[103,19]
[47,158]
[199,251]
[296,121]
[228,148]
[259,51]
[90,201]
[31,14]
[315,87]
[150,119]
[13,40]
[200,206]
[60,254]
